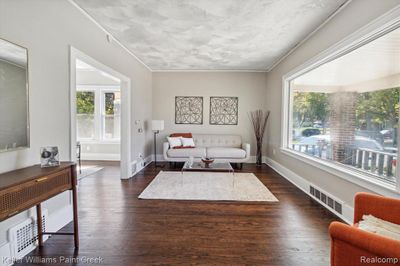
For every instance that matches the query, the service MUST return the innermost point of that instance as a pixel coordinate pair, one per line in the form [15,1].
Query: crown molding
[297,45]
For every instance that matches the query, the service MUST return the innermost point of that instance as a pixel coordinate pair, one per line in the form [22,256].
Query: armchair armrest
[361,243]
[246,147]
[384,208]
[165,149]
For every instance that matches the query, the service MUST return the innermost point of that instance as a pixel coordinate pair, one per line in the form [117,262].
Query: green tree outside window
[85,102]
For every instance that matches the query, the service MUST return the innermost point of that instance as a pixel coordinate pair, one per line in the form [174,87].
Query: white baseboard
[160,158]
[140,165]
[303,184]
[100,157]
[148,160]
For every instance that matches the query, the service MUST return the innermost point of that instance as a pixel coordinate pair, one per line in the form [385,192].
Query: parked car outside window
[310,132]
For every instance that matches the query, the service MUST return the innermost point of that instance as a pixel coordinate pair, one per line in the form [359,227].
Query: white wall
[248,86]
[47,28]
[101,151]
[357,14]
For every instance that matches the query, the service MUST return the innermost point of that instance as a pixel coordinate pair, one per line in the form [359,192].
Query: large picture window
[346,111]
[98,114]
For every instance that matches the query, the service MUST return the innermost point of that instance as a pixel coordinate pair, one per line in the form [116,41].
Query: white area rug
[88,170]
[207,186]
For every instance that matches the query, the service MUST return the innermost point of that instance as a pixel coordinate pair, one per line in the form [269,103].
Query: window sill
[361,179]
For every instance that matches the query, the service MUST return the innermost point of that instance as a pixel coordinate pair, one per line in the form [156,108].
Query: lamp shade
[157,125]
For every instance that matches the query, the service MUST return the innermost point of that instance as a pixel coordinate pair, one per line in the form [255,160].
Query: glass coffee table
[213,167]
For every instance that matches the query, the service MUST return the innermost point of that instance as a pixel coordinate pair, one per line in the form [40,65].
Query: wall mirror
[14,110]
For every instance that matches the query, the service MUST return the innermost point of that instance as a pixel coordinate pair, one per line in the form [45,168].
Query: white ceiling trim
[110,37]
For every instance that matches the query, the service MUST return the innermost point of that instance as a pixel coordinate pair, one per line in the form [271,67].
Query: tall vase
[259,153]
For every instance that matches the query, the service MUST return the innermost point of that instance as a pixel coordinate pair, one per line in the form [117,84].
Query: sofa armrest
[246,147]
[381,207]
[165,149]
[361,242]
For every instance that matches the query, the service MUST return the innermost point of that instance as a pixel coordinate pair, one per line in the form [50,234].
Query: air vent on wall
[325,199]
[23,237]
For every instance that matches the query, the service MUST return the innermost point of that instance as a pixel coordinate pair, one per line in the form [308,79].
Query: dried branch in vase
[259,120]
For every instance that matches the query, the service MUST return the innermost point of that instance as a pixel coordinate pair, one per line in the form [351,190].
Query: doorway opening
[100,115]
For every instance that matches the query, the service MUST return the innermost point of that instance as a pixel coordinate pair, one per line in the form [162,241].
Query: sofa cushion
[186,153]
[217,140]
[225,152]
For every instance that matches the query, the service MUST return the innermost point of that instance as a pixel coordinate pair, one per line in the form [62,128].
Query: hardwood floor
[123,230]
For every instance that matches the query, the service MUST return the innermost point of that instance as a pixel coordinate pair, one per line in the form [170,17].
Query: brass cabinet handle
[12,213]
[41,179]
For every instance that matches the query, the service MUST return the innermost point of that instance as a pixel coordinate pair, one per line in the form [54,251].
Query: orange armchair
[352,246]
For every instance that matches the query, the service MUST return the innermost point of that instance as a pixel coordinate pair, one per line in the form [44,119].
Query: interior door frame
[125,87]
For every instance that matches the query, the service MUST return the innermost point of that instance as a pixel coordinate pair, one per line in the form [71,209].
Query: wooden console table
[24,188]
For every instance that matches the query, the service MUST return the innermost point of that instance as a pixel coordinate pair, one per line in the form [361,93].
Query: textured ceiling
[209,34]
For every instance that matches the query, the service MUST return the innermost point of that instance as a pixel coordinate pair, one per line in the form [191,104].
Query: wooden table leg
[39,224]
[75,209]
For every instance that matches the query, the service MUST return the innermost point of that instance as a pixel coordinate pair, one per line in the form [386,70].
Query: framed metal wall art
[189,110]
[224,110]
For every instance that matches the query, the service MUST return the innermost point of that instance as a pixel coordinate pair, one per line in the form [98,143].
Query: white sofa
[223,148]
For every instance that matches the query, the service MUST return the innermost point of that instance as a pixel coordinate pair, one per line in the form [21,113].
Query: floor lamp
[156,126]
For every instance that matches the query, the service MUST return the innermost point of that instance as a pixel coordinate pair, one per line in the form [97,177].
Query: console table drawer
[28,194]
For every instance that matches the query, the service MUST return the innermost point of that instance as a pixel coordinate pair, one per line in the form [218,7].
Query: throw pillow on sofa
[174,142]
[188,142]
[183,135]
